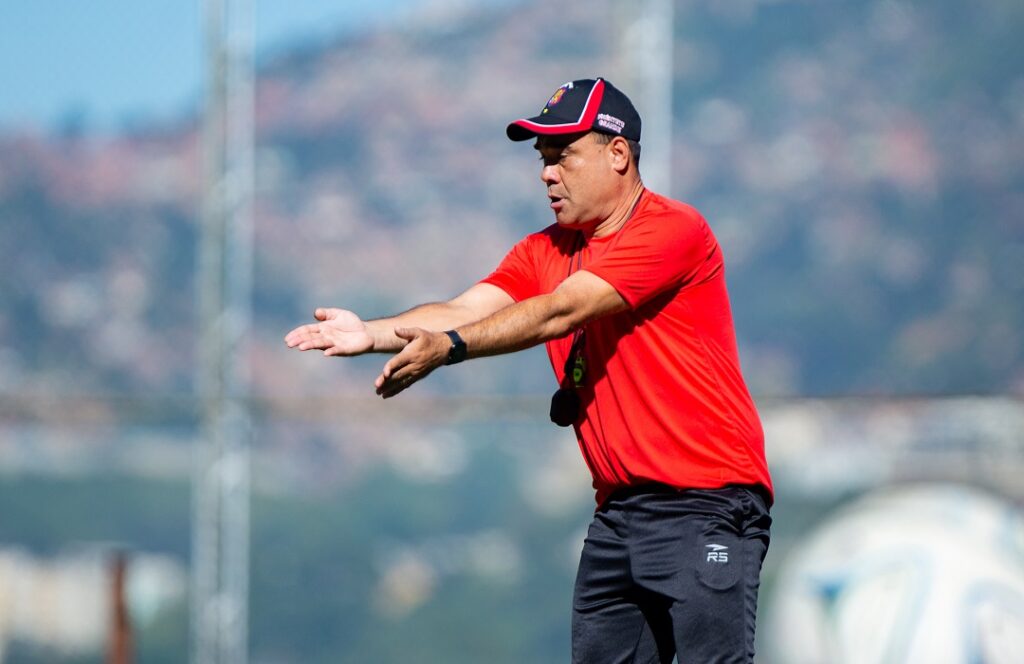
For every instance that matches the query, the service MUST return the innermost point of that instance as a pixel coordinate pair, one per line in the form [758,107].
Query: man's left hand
[425,352]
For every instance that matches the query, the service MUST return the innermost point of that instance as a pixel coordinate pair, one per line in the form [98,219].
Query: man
[627,289]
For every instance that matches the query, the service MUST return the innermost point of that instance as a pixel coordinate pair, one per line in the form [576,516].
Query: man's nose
[549,175]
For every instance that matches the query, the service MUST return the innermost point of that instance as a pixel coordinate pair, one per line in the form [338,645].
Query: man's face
[579,177]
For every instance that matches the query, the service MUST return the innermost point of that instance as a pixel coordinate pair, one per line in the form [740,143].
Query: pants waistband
[661,488]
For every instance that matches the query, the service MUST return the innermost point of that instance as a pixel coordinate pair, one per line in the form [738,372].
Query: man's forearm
[578,300]
[433,316]
[522,325]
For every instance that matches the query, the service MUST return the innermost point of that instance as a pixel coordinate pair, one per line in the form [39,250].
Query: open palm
[339,332]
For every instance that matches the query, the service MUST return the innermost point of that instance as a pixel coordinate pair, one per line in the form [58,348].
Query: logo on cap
[557,97]
[610,122]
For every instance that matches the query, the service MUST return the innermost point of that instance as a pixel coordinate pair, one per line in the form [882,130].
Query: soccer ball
[929,574]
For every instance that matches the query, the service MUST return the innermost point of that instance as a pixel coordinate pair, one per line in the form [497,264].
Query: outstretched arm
[579,299]
[341,332]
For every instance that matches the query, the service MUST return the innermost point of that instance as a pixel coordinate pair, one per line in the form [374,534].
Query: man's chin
[566,220]
[573,224]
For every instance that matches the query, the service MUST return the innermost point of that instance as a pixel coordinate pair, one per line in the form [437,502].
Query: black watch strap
[457,352]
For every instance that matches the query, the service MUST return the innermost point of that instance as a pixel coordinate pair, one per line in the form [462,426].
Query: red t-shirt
[664,400]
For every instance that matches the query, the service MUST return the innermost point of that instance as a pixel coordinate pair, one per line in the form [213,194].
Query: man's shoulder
[657,206]
[663,219]
[552,237]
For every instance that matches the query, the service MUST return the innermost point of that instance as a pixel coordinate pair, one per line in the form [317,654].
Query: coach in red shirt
[627,290]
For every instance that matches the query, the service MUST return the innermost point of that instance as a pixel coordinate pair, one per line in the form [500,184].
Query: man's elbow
[581,298]
[564,316]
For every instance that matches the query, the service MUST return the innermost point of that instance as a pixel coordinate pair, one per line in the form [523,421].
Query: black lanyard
[575,367]
[566,403]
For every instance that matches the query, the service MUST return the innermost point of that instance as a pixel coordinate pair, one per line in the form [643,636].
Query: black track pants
[667,571]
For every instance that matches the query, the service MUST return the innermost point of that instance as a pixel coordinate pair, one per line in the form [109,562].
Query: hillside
[861,164]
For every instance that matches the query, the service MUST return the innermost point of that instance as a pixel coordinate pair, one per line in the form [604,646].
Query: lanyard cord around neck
[575,358]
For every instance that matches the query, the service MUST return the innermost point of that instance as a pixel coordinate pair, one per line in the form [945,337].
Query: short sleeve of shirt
[517,273]
[670,247]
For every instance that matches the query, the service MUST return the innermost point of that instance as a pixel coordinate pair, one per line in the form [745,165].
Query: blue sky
[107,62]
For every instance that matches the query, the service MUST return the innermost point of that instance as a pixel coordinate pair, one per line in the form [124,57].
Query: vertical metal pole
[119,647]
[220,537]
[646,61]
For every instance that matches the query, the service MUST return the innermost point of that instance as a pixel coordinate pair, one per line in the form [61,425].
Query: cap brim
[527,128]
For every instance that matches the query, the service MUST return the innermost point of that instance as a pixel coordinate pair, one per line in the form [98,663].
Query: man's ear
[619,154]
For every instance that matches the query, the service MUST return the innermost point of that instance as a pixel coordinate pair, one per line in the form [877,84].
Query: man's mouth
[556,202]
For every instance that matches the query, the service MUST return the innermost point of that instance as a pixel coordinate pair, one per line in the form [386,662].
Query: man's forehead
[558,141]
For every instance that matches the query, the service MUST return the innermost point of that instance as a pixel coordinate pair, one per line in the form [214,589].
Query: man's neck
[622,212]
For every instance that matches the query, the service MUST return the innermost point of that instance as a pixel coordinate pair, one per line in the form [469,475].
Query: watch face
[457,352]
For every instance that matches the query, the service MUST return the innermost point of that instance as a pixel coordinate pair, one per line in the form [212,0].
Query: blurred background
[862,164]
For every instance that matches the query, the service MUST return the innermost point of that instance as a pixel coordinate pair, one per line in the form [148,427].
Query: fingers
[302,334]
[311,332]
[400,380]
[412,364]
[308,337]
[407,333]
[308,332]
[387,373]
[398,373]
[394,387]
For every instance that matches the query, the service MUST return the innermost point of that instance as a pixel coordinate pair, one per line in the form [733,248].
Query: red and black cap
[583,105]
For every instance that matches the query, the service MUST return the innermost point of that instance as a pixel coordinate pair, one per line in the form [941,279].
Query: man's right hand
[339,332]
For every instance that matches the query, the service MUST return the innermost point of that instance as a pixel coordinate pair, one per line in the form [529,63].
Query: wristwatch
[457,352]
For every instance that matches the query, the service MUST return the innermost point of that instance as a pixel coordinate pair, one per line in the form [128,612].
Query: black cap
[583,105]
